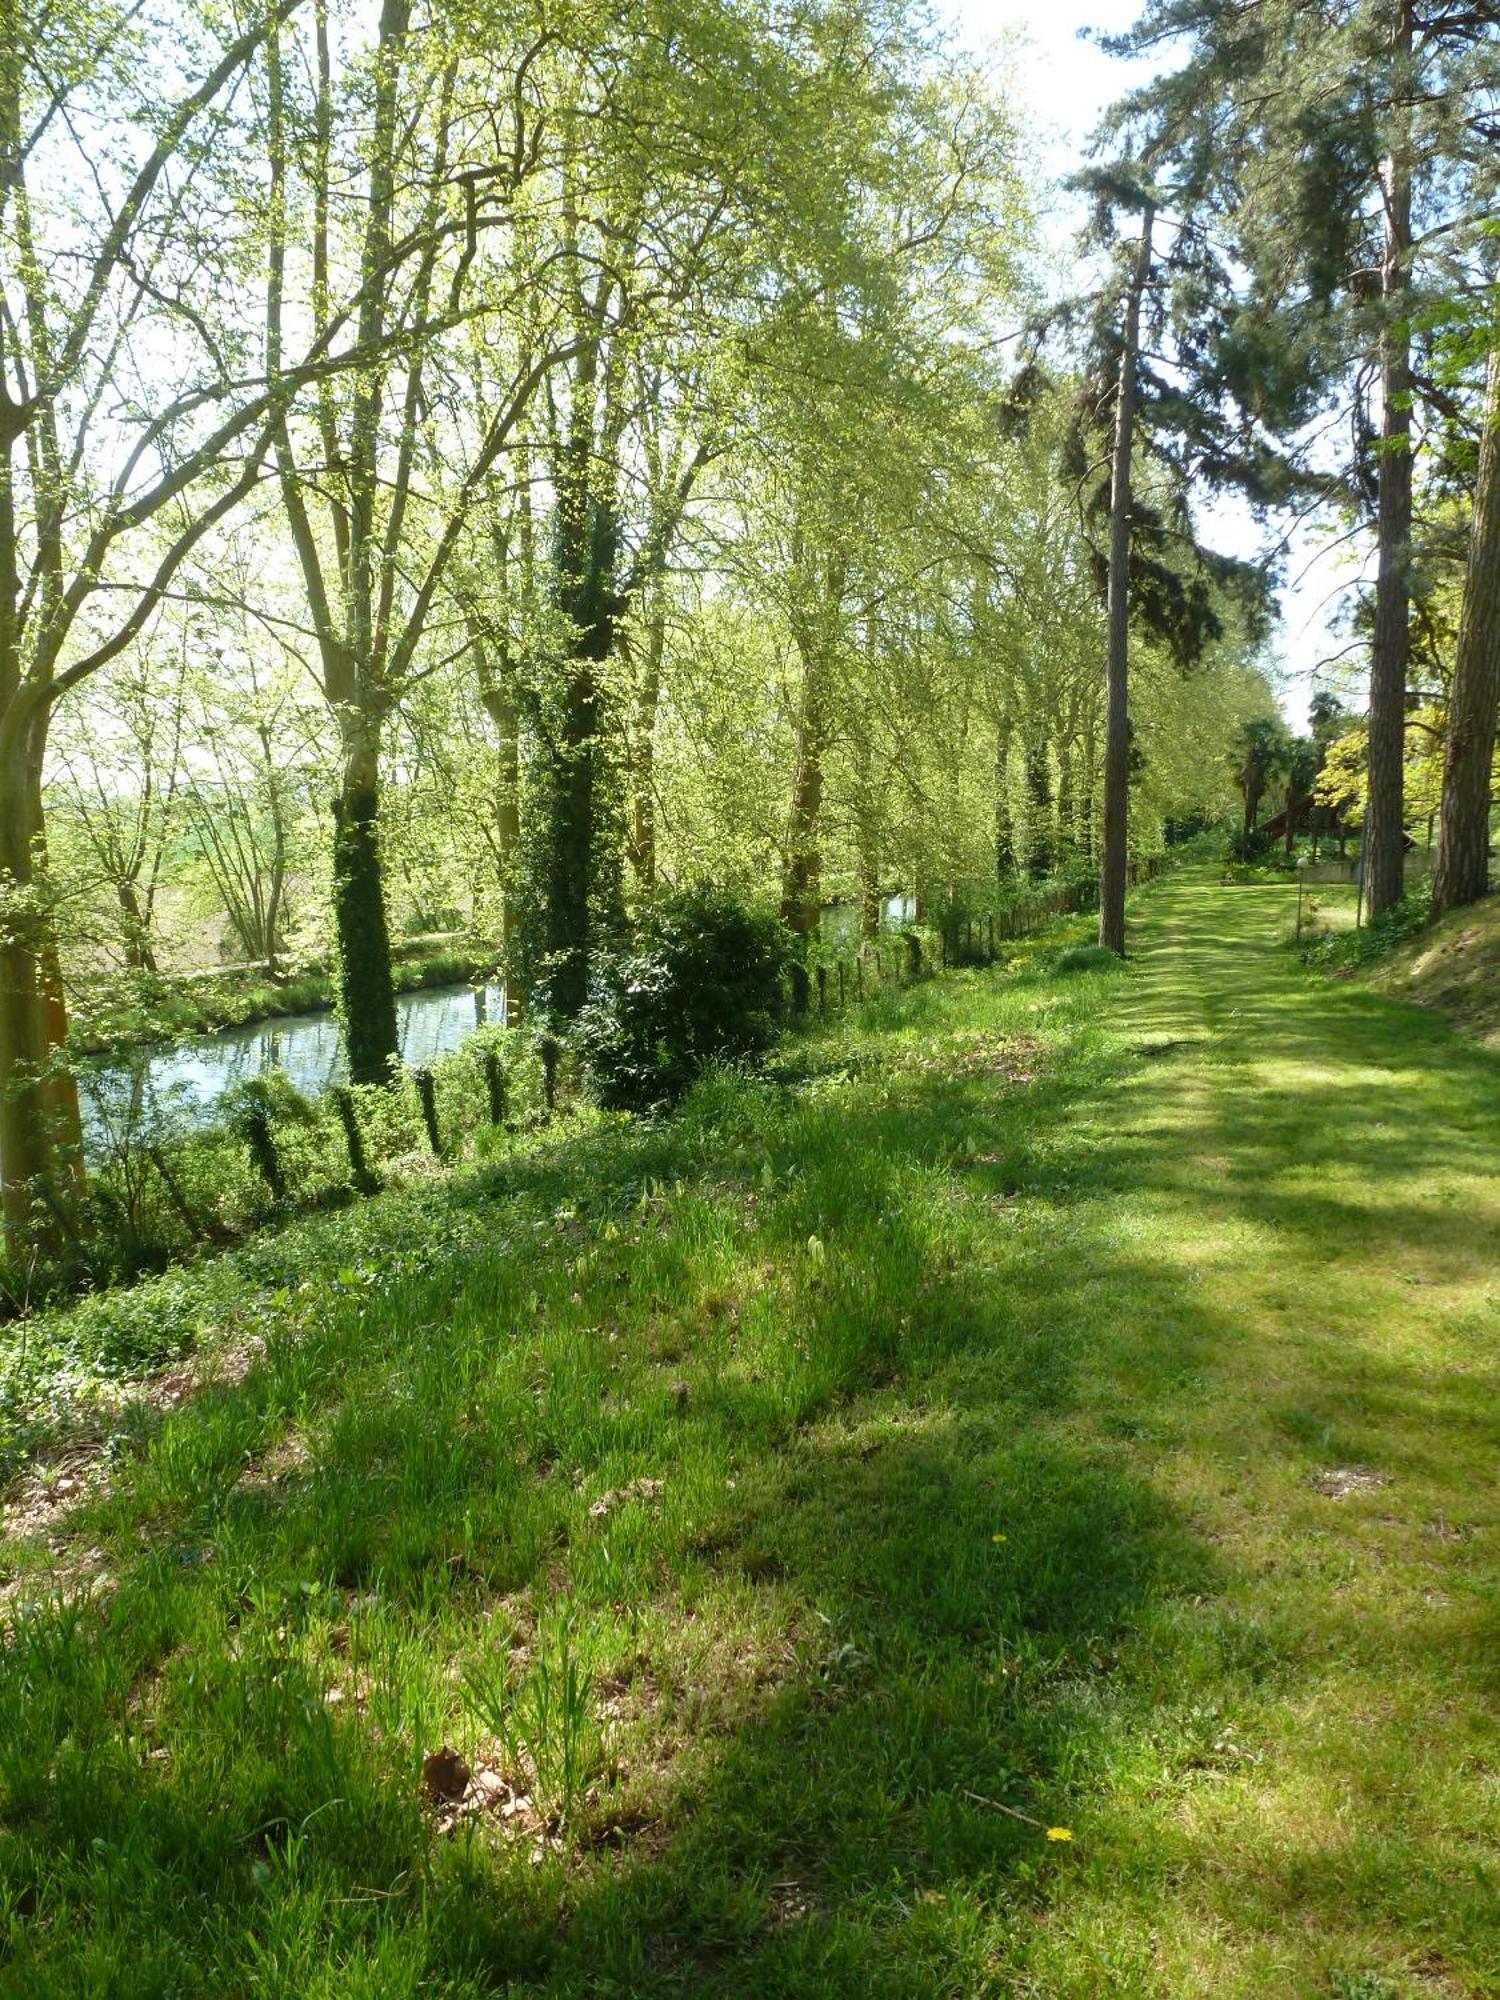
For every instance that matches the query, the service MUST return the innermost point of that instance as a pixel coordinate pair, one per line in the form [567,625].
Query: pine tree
[1344,154]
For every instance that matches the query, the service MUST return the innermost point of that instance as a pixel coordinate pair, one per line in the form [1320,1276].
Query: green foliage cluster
[701,981]
[1085,958]
[1347,950]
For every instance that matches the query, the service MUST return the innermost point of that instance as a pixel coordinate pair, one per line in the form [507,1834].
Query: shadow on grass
[870,1377]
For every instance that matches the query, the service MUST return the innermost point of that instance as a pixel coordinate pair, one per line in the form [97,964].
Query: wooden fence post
[360,1171]
[427,1098]
[494,1084]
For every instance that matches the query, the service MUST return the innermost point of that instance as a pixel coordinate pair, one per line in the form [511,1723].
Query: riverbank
[142,1010]
[1001,1504]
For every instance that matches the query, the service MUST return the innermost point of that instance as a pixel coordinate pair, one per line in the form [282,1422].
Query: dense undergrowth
[708,1555]
[163,1189]
[1352,948]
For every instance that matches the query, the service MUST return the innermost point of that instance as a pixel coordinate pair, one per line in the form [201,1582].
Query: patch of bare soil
[1339,1481]
[1015,1059]
[76,1469]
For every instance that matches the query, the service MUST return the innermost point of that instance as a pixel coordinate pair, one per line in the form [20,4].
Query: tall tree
[1464,844]
[377,482]
[129,429]
[1345,155]
[1114,850]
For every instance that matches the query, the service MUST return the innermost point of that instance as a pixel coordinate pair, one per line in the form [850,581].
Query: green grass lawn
[1069,1395]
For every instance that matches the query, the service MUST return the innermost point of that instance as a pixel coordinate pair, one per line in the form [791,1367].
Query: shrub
[700,982]
[1347,950]
[1256,845]
[1086,958]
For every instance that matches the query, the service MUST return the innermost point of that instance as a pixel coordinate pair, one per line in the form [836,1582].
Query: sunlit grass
[1059,1394]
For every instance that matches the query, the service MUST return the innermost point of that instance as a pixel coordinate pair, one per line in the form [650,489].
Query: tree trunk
[643,750]
[1039,850]
[500,706]
[1087,812]
[1005,832]
[1388,666]
[1463,866]
[1114,858]
[867,856]
[567,876]
[139,956]
[367,993]
[1067,799]
[802,869]
[572,798]
[41,1136]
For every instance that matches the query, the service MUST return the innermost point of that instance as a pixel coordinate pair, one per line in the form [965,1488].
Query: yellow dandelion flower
[1059,1833]
[999,1538]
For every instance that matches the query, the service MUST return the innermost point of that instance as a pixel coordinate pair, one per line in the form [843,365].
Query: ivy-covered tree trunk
[367,993]
[135,926]
[1463,867]
[1005,831]
[1088,808]
[867,850]
[820,588]
[1067,799]
[500,706]
[1384,828]
[1039,832]
[802,866]
[571,796]
[41,1137]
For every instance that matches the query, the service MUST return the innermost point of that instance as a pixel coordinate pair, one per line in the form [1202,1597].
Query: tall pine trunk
[1384,815]
[367,993]
[1464,843]
[1114,855]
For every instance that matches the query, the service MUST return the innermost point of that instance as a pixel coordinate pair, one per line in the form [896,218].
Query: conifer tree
[1344,155]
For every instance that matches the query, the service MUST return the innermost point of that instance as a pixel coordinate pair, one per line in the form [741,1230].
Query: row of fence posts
[844,975]
[265,1155]
[993,928]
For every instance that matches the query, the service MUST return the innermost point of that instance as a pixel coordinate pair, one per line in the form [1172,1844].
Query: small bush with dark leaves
[701,981]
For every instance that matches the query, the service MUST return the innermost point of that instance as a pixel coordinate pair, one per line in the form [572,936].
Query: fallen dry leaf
[445,1776]
[617,1496]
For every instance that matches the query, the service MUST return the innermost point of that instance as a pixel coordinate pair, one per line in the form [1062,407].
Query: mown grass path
[1060,1394]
